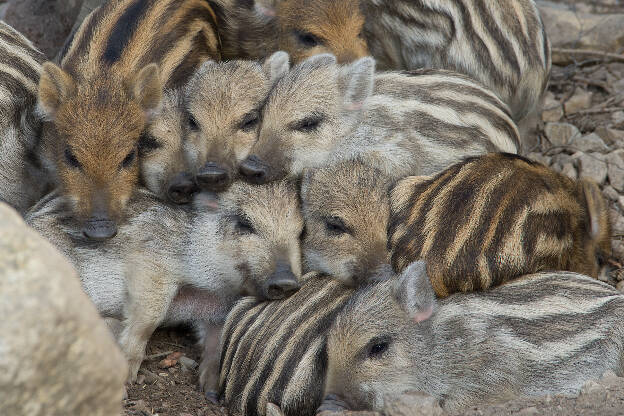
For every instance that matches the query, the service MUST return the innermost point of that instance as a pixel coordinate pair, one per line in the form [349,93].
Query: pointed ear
[276,66]
[146,88]
[413,291]
[402,191]
[55,86]
[320,61]
[266,9]
[597,210]
[357,80]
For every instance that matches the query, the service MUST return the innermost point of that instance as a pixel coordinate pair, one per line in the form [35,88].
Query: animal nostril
[99,229]
[181,189]
[282,283]
[212,177]
[333,403]
[254,169]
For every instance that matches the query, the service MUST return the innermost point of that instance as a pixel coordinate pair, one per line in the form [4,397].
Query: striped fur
[254,29]
[170,265]
[274,352]
[107,88]
[346,207]
[548,333]
[492,218]
[500,43]
[414,123]
[22,180]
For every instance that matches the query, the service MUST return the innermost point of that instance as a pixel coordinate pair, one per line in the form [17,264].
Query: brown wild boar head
[222,108]
[311,27]
[97,123]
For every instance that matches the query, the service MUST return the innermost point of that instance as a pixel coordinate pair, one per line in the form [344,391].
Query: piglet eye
[336,226]
[377,347]
[127,162]
[192,123]
[244,226]
[250,121]
[307,39]
[71,159]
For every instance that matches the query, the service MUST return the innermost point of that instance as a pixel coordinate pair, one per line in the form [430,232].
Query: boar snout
[181,188]
[255,170]
[333,403]
[99,229]
[282,282]
[212,177]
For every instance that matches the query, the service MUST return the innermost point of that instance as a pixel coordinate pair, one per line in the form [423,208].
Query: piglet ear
[55,86]
[266,9]
[147,89]
[357,80]
[276,66]
[413,291]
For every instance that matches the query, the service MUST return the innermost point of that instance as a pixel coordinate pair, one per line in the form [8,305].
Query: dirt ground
[587,94]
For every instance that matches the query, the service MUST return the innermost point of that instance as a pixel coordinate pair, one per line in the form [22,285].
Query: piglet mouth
[333,403]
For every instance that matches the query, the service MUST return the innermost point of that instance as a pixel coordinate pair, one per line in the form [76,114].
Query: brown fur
[256,29]
[346,209]
[107,87]
[493,218]
[223,100]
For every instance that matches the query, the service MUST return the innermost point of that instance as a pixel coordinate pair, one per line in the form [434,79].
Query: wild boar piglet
[170,265]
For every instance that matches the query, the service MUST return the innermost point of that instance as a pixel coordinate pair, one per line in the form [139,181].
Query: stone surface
[572,29]
[560,134]
[615,161]
[592,166]
[589,143]
[569,170]
[580,100]
[539,157]
[57,356]
[611,193]
[552,110]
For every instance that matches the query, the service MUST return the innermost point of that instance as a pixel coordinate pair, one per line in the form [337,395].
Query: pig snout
[99,228]
[254,170]
[333,403]
[282,282]
[212,177]
[181,188]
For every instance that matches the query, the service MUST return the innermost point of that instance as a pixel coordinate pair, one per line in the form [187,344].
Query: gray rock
[539,157]
[571,29]
[580,100]
[589,143]
[569,170]
[611,137]
[57,355]
[611,193]
[552,110]
[615,162]
[592,166]
[618,117]
[617,221]
[560,134]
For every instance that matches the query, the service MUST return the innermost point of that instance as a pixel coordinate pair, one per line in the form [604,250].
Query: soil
[174,391]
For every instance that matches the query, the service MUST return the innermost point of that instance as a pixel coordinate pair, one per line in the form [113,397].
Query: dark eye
[192,123]
[307,39]
[308,124]
[71,159]
[377,350]
[250,121]
[378,346]
[243,225]
[147,144]
[127,162]
[336,226]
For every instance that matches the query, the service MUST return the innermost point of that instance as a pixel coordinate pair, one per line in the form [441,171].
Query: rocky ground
[581,133]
